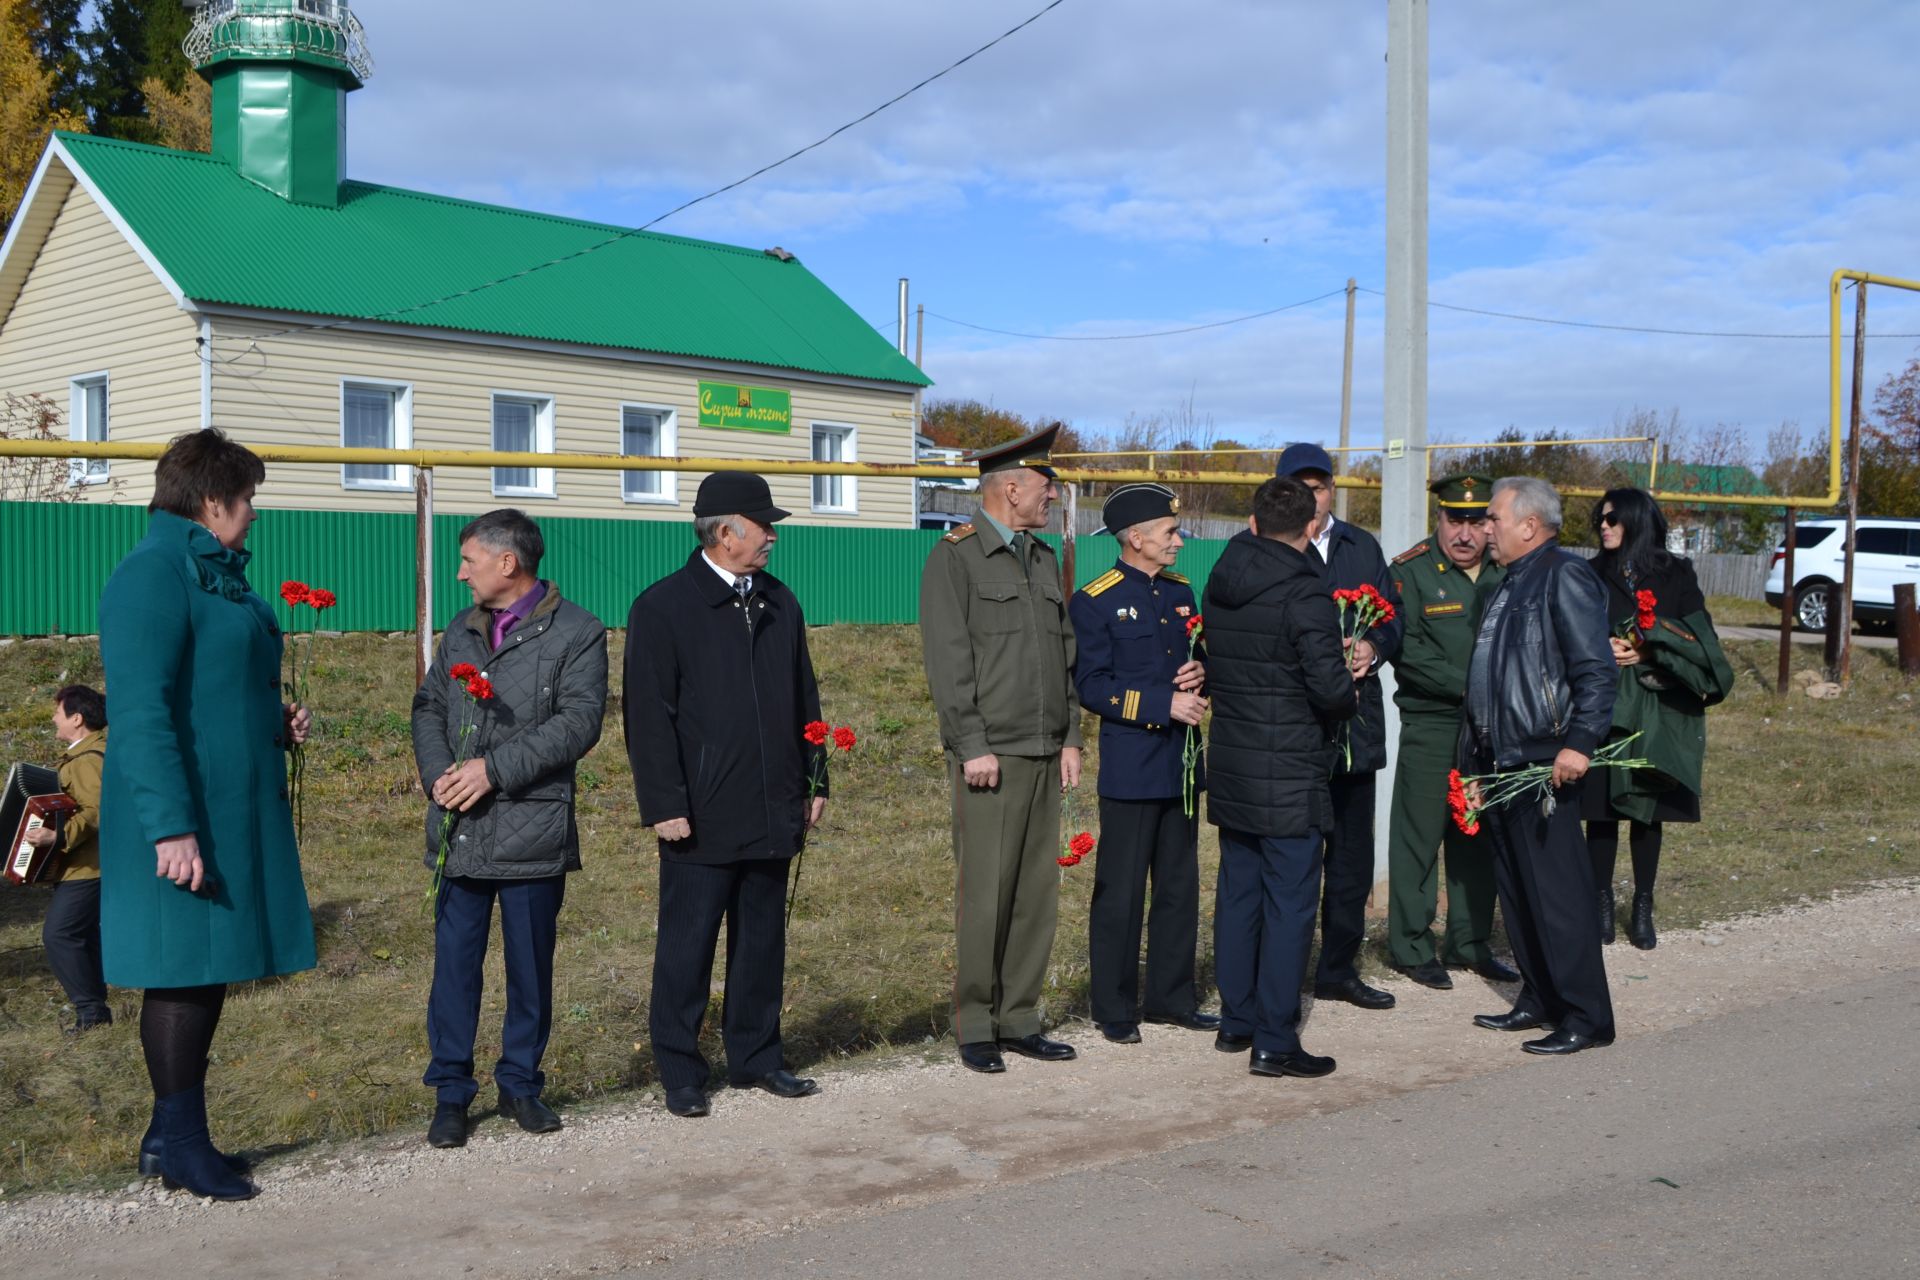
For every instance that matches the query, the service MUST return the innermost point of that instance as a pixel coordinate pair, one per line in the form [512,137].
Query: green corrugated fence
[60,555]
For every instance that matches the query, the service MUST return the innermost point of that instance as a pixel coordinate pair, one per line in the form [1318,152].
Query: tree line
[113,68]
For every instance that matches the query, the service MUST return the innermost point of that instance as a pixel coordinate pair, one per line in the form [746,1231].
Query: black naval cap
[1133,504]
[1304,456]
[1031,451]
[737,493]
[1464,497]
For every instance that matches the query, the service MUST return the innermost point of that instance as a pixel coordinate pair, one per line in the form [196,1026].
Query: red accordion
[32,800]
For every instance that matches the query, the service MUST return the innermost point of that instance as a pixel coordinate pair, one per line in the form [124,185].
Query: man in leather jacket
[1540,690]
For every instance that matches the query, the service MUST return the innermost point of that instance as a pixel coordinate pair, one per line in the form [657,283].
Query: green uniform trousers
[1005,842]
[1419,822]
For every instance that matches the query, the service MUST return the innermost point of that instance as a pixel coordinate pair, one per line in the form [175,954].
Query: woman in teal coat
[200,874]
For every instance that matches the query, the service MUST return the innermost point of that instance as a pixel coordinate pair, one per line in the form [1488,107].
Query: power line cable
[1626,328]
[679,208]
[1132,337]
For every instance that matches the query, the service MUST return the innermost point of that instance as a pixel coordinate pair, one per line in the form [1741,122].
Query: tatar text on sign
[738,408]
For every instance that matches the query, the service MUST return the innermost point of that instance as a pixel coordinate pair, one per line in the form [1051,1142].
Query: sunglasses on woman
[1610,518]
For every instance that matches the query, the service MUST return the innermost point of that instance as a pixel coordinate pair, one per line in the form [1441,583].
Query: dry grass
[1804,798]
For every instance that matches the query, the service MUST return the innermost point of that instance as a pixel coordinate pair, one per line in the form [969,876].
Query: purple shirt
[505,620]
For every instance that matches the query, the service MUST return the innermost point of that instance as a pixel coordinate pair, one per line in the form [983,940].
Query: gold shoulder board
[959,533]
[1102,582]
[1180,578]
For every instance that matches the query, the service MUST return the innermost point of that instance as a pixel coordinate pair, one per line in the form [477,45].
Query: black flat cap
[737,493]
[1033,451]
[1133,504]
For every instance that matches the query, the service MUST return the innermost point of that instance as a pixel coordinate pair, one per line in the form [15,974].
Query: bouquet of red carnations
[1470,796]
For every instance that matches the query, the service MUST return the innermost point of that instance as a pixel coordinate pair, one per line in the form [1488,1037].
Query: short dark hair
[86,702]
[509,529]
[200,465]
[1282,508]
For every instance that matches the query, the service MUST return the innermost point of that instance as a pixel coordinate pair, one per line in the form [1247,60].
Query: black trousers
[1545,880]
[1349,877]
[751,897]
[71,936]
[1262,932]
[1142,840]
[529,924]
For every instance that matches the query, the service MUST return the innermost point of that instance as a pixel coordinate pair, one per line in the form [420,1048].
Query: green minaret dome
[280,72]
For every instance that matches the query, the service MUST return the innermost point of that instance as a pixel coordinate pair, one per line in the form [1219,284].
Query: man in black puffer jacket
[1540,689]
[1280,685]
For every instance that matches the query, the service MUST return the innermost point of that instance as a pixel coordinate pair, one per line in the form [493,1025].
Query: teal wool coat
[192,660]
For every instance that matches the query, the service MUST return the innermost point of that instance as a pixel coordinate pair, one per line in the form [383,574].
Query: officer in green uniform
[1442,583]
[999,653]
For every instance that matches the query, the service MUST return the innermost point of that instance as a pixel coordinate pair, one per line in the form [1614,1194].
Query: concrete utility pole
[1403,473]
[1340,496]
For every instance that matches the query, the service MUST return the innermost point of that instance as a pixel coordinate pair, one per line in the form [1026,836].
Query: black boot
[1640,926]
[153,1145]
[1606,915]
[187,1157]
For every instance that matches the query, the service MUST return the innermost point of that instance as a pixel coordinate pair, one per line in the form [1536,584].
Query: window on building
[376,415]
[523,424]
[833,442]
[647,431]
[87,420]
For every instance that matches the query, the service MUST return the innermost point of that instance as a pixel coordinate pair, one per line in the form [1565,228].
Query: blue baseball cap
[1304,456]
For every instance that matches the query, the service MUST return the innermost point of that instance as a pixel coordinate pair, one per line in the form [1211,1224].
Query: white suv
[1886,550]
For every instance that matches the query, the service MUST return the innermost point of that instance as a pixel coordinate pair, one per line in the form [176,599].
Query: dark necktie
[1020,550]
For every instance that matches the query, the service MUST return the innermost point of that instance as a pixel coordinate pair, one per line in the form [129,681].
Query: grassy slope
[1805,797]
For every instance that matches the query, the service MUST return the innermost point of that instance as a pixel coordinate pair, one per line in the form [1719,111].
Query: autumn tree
[1890,448]
[27,113]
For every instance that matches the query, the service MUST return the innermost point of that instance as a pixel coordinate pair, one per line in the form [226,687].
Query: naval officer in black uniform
[1133,671]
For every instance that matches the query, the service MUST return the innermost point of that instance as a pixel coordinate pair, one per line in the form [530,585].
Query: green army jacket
[1441,607]
[998,646]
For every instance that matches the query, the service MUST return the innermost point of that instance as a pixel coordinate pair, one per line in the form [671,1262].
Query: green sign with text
[745,408]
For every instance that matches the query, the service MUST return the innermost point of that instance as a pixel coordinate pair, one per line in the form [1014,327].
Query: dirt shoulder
[626,1185]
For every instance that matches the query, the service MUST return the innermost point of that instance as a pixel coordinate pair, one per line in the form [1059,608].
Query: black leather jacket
[1550,673]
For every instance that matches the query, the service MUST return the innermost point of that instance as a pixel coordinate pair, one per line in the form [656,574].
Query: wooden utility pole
[422,573]
[1844,673]
[1346,406]
[1787,606]
[919,334]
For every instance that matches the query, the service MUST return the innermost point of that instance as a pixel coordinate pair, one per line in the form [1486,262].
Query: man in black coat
[1540,689]
[1349,557]
[1280,684]
[719,690]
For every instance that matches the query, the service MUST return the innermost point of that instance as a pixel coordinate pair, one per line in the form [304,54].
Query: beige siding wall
[91,305]
[288,391]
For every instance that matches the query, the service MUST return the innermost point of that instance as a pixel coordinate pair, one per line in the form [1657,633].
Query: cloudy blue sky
[1126,166]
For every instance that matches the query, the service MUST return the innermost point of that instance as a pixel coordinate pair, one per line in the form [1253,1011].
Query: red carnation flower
[816,732]
[480,687]
[1194,624]
[1643,602]
[294,592]
[464,671]
[843,737]
[1081,845]
[321,598]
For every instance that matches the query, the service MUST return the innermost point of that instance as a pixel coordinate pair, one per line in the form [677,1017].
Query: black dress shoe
[532,1114]
[1121,1032]
[449,1127]
[1038,1046]
[1428,973]
[1195,1021]
[1354,992]
[1495,971]
[782,1084]
[1226,1043]
[983,1056]
[1298,1063]
[1563,1042]
[1512,1020]
[1640,923]
[688,1103]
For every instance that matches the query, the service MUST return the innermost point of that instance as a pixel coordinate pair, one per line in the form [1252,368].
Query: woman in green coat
[200,875]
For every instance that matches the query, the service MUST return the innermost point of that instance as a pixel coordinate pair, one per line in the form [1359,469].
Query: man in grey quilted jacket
[514,699]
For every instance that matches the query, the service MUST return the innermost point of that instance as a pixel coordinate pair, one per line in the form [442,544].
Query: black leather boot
[1640,925]
[1606,915]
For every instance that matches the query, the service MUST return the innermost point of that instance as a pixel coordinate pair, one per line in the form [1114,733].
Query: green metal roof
[1687,477]
[385,250]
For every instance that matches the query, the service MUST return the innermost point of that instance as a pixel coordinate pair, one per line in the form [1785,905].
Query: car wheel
[1810,605]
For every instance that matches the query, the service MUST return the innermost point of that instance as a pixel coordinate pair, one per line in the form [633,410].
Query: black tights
[176,1031]
[1603,843]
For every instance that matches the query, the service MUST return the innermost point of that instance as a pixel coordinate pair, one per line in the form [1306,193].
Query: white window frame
[88,470]
[542,486]
[402,479]
[669,444]
[849,505]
